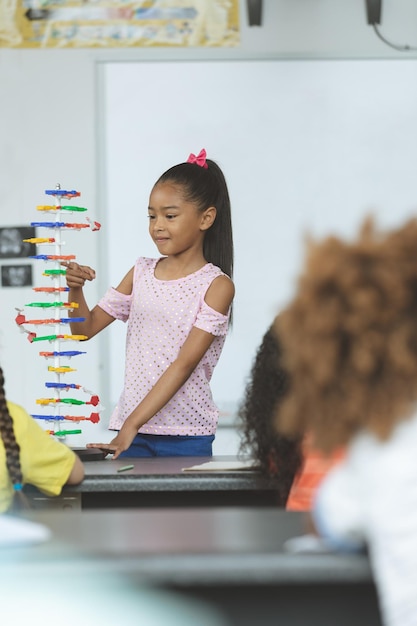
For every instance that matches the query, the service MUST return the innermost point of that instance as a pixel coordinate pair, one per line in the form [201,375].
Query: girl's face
[175,224]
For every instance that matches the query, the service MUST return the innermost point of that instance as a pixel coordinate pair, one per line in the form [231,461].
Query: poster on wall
[16,275]
[14,242]
[118,23]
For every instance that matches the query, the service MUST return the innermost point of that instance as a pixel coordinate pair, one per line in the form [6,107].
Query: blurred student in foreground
[279,457]
[350,346]
[29,455]
[292,462]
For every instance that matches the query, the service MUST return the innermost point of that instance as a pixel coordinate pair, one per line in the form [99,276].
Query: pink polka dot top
[160,316]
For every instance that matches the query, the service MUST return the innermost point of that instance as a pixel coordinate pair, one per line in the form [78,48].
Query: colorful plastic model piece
[54,292]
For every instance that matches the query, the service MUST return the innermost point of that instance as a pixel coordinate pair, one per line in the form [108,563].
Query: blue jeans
[169,445]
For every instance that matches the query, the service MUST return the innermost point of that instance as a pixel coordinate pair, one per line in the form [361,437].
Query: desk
[160,482]
[231,557]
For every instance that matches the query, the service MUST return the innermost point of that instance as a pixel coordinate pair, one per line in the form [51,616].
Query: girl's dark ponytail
[218,242]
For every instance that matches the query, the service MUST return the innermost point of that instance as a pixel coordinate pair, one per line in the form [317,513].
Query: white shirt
[370,499]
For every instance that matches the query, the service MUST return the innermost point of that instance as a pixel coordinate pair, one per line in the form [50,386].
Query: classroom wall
[330,141]
[50,133]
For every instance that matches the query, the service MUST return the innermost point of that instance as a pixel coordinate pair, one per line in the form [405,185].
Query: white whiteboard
[306,146]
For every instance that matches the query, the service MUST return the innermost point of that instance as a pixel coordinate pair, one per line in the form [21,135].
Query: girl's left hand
[76,274]
[119,444]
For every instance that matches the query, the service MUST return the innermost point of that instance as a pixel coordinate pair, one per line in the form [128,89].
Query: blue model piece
[49,224]
[61,192]
[68,320]
[47,417]
[62,385]
[68,353]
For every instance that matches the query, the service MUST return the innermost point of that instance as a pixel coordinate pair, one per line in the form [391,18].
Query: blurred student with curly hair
[295,466]
[350,346]
[279,457]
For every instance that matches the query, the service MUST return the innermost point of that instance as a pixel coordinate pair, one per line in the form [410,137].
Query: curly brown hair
[350,337]
[279,457]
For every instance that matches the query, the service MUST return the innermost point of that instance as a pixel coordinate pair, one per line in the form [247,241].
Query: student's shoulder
[17,412]
[145,261]
[224,284]
[215,272]
[220,293]
[221,281]
[23,423]
[143,265]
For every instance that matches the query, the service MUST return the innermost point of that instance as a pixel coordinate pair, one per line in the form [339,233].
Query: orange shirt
[315,467]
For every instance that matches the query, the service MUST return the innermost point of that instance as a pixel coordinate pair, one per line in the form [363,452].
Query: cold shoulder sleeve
[211,321]
[116,304]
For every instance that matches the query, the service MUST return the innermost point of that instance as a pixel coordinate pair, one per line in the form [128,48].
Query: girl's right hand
[76,275]
[120,443]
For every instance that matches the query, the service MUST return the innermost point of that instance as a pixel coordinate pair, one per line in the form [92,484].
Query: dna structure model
[55,320]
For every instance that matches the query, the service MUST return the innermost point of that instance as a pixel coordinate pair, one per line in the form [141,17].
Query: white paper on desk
[15,532]
[221,466]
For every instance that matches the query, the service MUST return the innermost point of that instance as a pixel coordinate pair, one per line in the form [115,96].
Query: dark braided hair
[279,456]
[12,450]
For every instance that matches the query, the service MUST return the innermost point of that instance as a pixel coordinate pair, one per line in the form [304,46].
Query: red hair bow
[200,159]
